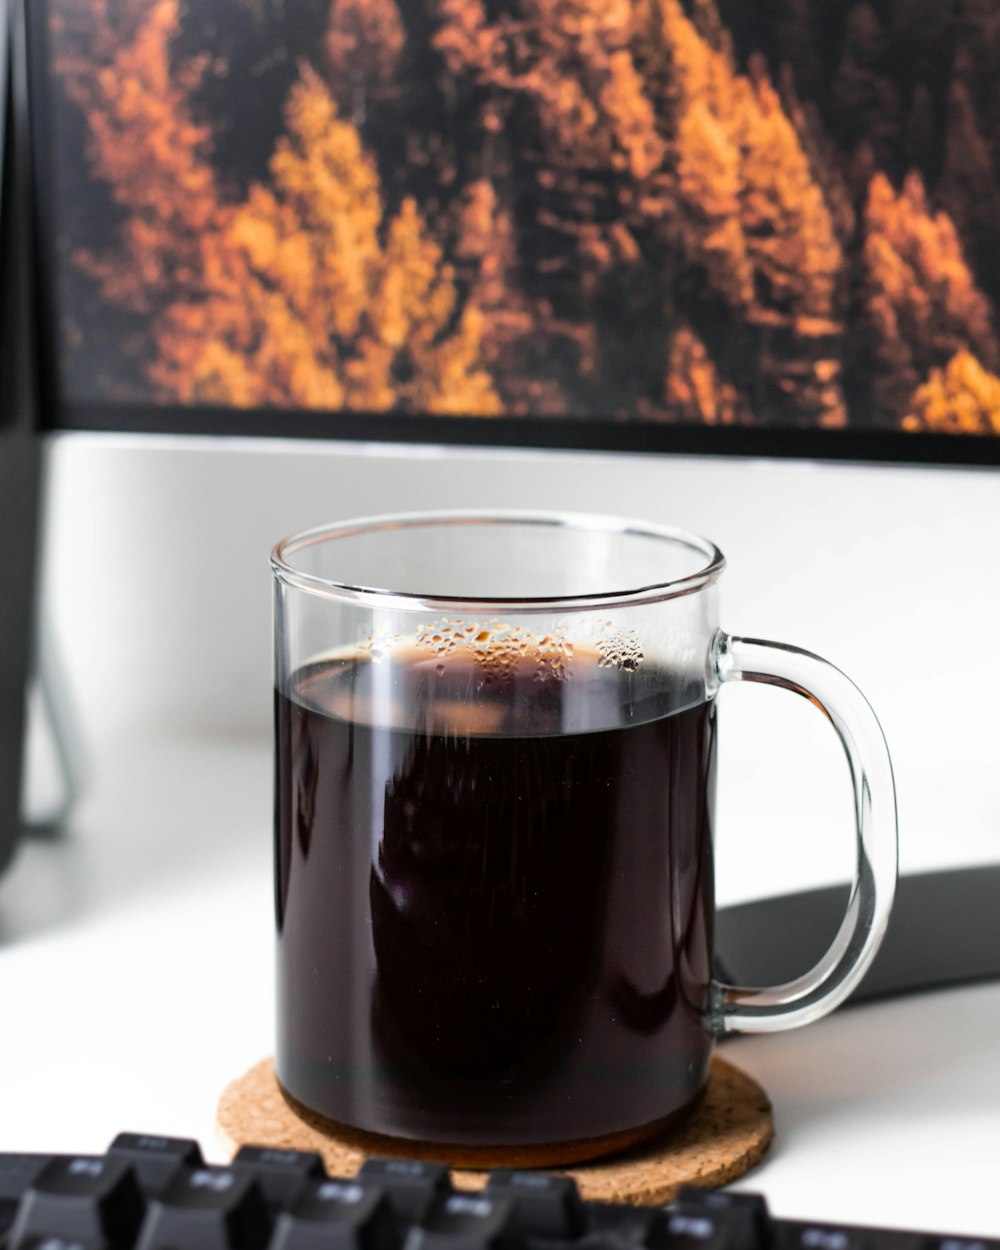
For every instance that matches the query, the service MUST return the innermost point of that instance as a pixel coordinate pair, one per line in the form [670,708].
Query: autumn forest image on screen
[775,213]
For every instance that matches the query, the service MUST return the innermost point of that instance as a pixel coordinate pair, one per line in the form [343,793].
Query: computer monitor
[679,228]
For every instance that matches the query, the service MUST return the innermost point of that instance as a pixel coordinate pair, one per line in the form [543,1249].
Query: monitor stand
[20,444]
[944,930]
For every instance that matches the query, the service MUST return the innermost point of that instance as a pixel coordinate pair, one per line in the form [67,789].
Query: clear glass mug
[495,772]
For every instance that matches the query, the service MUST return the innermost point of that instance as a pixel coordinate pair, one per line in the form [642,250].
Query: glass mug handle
[737,1009]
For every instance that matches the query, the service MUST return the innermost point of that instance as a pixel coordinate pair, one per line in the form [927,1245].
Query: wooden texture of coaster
[726,1135]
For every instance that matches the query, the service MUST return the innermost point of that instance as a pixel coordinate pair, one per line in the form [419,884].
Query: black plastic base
[944,930]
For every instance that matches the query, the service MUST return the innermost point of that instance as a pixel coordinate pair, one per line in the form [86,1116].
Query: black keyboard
[157,1193]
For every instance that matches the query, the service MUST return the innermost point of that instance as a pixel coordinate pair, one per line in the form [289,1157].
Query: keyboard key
[8,1209]
[544,1206]
[207,1209]
[626,1226]
[72,1197]
[61,1243]
[338,1215]
[825,1237]
[282,1174]
[156,1159]
[413,1187]
[603,1239]
[744,1216]
[696,1232]
[465,1222]
[17,1172]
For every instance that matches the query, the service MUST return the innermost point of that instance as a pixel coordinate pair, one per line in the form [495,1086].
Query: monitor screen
[696,225]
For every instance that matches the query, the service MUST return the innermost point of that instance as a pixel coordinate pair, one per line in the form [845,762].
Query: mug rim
[284,570]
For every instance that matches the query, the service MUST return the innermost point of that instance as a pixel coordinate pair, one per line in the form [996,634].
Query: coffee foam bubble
[498,648]
[619,647]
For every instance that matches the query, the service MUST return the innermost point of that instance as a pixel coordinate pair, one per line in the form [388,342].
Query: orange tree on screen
[304,294]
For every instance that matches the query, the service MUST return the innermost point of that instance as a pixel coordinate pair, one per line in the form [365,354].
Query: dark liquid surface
[488,935]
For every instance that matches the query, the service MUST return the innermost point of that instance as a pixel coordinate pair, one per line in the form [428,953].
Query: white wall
[157,587]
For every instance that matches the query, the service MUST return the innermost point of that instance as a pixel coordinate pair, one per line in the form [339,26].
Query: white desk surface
[136,981]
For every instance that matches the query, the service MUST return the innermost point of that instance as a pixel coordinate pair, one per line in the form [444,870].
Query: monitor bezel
[556,433]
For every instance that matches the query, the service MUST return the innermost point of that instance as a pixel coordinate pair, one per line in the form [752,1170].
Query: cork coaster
[727,1134]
